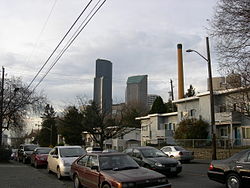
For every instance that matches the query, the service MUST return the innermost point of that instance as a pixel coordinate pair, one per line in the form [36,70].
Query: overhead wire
[59,43]
[41,32]
[76,34]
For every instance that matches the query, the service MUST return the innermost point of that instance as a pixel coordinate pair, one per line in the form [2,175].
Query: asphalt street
[17,175]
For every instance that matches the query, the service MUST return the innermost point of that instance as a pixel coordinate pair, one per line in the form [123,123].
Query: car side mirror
[138,156]
[95,168]
[55,156]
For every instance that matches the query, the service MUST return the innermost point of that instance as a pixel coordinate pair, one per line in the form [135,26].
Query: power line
[70,42]
[42,30]
[59,43]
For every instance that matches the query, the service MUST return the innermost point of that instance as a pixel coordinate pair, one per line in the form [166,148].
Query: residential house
[157,128]
[229,122]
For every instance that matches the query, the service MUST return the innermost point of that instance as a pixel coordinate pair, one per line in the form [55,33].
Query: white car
[178,153]
[60,159]
[93,149]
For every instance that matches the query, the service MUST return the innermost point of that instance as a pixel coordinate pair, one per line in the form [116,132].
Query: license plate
[173,169]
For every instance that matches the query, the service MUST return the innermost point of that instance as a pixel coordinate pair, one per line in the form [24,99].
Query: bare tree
[16,102]
[230,27]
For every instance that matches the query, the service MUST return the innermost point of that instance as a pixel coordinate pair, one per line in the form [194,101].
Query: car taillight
[211,167]
[180,153]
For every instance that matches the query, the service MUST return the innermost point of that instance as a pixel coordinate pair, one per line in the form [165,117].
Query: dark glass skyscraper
[103,85]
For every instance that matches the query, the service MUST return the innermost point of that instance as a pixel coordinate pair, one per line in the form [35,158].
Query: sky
[138,36]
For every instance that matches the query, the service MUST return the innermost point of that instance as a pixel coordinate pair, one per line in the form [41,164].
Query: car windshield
[117,162]
[29,148]
[71,152]
[43,151]
[238,155]
[178,148]
[152,153]
[96,149]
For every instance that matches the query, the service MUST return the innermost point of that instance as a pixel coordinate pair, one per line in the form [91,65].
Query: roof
[221,92]
[159,115]
[68,146]
[186,99]
[135,79]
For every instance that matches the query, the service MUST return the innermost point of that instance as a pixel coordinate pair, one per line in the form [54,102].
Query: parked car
[25,151]
[178,153]
[109,151]
[39,156]
[233,171]
[60,159]
[106,170]
[93,149]
[155,159]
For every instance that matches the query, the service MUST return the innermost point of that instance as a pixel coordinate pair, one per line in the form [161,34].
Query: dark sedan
[106,170]
[234,171]
[155,159]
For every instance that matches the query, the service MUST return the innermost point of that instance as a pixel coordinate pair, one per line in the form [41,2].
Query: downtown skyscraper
[137,91]
[103,85]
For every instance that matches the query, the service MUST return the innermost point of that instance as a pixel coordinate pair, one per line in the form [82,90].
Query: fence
[199,143]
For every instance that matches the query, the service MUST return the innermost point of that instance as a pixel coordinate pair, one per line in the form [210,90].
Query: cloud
[138,37]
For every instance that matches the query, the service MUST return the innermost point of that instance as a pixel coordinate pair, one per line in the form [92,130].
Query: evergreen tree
[170,106]
[158,106]
[70,126]
[48,133]
[190,92]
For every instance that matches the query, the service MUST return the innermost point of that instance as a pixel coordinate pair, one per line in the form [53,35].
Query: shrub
[192,129]
[4,154]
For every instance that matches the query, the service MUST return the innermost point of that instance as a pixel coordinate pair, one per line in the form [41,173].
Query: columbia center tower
[103,85]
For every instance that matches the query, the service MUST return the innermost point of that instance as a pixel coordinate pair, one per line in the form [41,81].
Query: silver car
[178,153]
[60,159]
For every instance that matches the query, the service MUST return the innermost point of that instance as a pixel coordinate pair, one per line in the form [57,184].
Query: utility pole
[213,127]
[1,107]
[172,91]
[211,102]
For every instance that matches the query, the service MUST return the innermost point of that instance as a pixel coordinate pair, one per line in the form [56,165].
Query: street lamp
[211,96]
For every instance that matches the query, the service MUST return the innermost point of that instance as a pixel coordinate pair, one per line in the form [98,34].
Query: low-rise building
[157,128]
[230,123]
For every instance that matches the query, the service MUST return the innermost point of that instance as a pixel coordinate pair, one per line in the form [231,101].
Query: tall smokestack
[180,72]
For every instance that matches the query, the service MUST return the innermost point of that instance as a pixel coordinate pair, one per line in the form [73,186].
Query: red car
[39,156]
[106,170]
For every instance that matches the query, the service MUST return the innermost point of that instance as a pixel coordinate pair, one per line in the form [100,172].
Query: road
[17,175]
[194,175]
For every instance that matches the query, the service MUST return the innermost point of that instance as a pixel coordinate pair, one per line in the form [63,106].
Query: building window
[246,132]
[223,108]
[223,132]
[169,126]
[192,112]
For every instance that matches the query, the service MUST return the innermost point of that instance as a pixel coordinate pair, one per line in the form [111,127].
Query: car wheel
[58,173]
[106,186]
[233,181]
[48,169]
[171,156]
[77,183]
[35,164]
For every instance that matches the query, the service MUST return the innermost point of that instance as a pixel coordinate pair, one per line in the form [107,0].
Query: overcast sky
[137,36]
